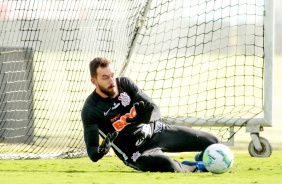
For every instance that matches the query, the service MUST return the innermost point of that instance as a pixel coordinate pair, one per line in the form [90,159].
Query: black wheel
[266,148]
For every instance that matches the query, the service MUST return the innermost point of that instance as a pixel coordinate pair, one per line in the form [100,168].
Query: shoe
[199,164]
[201,167]
[199,156]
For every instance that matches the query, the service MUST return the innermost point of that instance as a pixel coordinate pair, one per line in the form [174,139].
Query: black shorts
[169,138]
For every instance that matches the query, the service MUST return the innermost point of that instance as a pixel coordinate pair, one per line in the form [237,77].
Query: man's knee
[156,163]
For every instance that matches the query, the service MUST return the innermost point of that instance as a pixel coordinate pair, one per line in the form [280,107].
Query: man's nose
[113,80]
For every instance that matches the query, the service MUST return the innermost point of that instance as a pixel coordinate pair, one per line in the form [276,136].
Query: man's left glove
[144,112]
[107,143]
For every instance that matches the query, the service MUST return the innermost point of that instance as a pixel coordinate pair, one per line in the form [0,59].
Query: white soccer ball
[218,158]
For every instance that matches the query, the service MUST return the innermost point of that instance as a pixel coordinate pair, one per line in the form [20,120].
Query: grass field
[109,170]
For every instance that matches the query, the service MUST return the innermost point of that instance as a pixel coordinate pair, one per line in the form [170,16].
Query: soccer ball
[218,158]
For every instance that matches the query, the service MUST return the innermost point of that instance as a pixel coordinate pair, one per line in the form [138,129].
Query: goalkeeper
[129,122]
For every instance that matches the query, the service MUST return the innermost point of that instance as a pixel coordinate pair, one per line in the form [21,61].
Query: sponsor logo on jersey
[115,118]
[121,123]
[124,98]
[106,113]
[158,127]
[145,132]
[135,156]
[112,108]
[115,106]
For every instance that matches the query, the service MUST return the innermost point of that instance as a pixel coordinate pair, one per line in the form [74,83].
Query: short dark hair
[96,63]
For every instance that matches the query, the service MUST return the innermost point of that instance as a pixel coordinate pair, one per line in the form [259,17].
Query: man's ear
[93,80]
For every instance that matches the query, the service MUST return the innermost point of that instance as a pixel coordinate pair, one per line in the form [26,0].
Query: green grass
[245,170]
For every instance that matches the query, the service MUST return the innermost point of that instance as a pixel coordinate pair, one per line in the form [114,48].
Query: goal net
[203,62]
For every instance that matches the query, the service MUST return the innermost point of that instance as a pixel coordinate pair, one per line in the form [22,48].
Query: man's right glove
[144,112]
[107,143]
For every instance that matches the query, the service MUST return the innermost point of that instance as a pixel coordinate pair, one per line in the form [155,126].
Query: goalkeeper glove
[144,112]
[107,143]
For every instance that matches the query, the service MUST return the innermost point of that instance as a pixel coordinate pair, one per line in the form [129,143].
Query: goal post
[206,64]
[269,60]
[260,146]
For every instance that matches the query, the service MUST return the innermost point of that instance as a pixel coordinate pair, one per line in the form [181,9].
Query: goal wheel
[266,148]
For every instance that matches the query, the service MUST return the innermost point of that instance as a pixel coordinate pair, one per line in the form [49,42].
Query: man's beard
[106,91]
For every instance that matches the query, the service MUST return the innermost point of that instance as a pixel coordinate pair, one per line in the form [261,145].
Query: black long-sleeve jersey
[106,115]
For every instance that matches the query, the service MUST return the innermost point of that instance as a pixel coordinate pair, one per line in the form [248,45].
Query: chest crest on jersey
[124,98]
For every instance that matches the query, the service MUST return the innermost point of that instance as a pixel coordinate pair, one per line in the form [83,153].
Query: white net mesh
[201,61]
